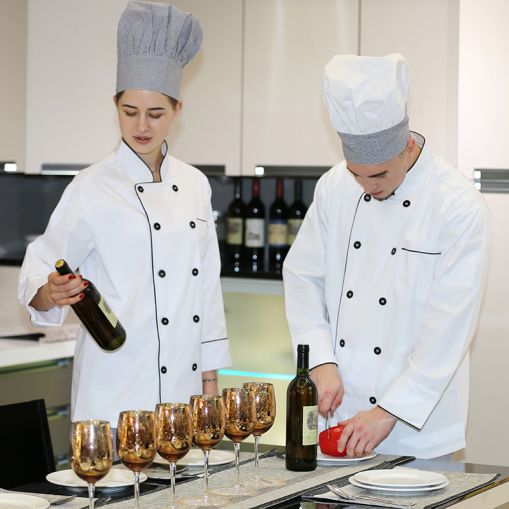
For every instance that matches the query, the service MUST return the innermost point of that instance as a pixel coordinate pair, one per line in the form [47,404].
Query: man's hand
[364,431]
[330,388]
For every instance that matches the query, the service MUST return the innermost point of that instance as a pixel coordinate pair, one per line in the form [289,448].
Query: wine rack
[223,194]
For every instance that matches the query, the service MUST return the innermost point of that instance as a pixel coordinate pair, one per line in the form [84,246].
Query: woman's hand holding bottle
[60,290]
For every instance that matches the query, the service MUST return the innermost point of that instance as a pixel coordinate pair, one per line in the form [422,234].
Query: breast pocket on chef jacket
[202,231]
[416,268]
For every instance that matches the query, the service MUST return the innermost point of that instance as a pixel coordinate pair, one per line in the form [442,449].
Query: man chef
[386,277]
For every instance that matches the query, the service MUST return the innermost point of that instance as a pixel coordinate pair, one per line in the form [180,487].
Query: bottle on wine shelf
[254,239]
[235,228]
[278,229]
[99,320]
[296,213]
[301,417]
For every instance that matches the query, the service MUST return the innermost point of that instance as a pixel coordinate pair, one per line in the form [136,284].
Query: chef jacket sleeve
[67,236]
[449,319]
[215,343]
[304,283]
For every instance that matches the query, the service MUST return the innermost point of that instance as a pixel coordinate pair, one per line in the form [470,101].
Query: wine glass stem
[256,446]
[91,495]
[237,460]
[137,490]
[173,469]
[206,470]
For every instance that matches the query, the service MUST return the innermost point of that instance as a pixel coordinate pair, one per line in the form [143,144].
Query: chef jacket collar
[134,166]
[416,172]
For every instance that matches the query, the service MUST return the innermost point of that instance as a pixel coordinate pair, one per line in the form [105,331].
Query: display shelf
[252,285]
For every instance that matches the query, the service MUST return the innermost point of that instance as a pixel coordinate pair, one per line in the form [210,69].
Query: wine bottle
[235,228]
[301,417]
[99,320]
[278,229]
[254,240]
[296,213]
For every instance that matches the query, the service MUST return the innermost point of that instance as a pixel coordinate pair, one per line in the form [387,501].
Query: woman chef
[139,225]
[385,279]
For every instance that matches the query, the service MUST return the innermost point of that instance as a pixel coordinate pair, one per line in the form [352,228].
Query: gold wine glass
[174,436]
[136,443]
[91,453]
[265,406]
[240,415]
[207,414]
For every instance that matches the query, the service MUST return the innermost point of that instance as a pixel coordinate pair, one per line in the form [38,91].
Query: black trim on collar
[146,165]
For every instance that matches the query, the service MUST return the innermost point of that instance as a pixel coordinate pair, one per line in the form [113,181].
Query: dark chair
[25,442]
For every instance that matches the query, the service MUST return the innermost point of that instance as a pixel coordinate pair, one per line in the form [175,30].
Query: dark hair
[174,102]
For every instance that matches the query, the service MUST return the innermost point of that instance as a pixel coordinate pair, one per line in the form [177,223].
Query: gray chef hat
[154,43]
[366,98]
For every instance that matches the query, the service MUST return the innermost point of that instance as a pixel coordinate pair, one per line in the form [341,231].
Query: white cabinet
[209,130]
[13,35]
[287,43]
[71,70]
[71,81]
[426,33]
[252,94]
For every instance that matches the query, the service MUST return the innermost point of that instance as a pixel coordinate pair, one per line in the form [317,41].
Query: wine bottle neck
[256,188]
[62,267]
[279,189]
[302,362]
[298,190]
[237,191]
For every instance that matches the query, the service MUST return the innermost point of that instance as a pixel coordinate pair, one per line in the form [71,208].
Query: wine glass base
[260,483]
[237,490]
[175,505]
[208,500]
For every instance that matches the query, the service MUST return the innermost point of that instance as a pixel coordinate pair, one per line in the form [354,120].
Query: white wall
[483,128]
[13,33]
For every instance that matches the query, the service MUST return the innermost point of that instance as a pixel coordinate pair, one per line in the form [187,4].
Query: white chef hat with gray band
[366,98]
[154,43]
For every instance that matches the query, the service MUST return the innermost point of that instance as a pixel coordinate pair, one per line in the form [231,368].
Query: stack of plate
[399,480]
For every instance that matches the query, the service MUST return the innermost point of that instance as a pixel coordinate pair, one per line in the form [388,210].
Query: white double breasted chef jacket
[390,291]
[151,250]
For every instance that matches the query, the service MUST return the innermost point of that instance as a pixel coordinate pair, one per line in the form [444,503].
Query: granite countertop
[19,352]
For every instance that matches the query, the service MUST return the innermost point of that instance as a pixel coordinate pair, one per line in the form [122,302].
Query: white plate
[397,490]
[400,478]
[115,478]
[194,458]
[325,459]
[19,501]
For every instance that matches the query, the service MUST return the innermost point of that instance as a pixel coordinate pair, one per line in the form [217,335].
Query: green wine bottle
[97,317]
[301,417]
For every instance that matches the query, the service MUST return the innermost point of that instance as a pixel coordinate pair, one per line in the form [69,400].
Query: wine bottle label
[278,233]
[255,232]
[310,425]
[235,226]
[293,228]
[108,313]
